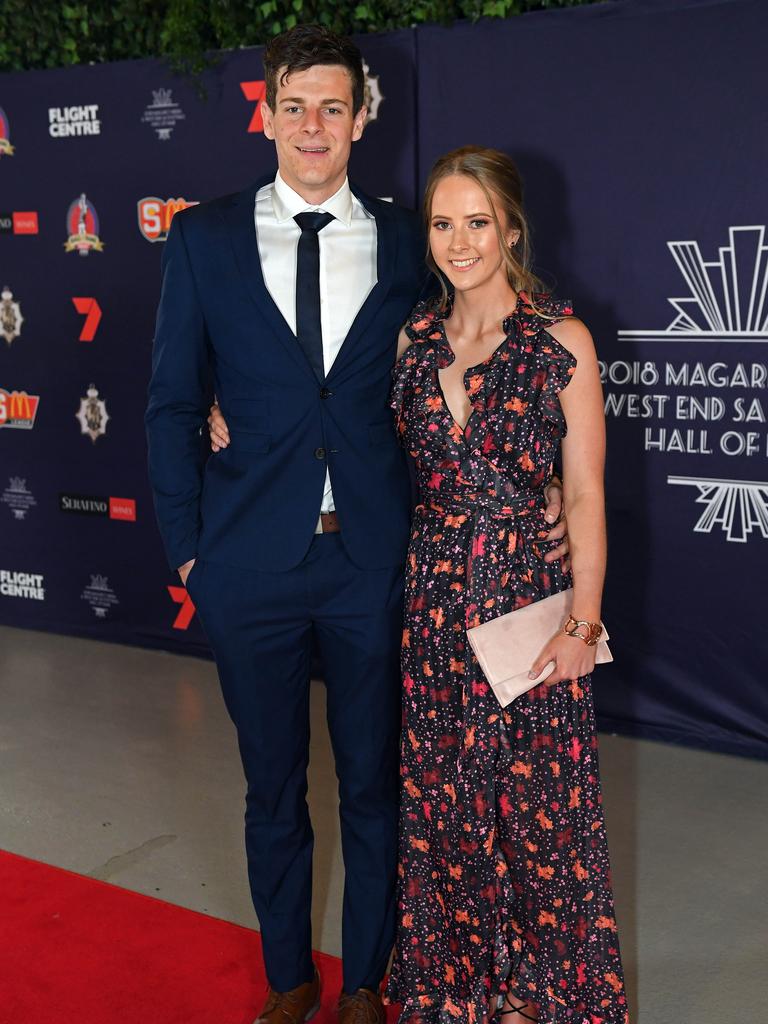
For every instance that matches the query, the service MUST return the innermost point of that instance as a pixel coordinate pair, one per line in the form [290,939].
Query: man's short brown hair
[304,47]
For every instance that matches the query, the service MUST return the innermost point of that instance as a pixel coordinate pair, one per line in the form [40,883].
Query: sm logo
[18,409]
[155,216]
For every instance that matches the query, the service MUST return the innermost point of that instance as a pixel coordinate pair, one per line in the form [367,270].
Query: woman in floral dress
[504,893]
[504,899]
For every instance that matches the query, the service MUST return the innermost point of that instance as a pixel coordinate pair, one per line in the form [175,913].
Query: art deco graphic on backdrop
[710,406]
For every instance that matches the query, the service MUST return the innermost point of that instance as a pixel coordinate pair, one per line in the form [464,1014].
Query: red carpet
[77,951]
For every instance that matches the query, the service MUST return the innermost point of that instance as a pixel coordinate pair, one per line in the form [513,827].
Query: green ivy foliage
[46,35]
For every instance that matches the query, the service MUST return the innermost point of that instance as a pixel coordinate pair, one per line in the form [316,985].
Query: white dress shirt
[347,264]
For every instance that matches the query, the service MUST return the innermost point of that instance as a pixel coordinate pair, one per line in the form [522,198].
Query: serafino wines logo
[19,222]
[6,149]
[728,298]
[83,227]
[88,307]
[155,215]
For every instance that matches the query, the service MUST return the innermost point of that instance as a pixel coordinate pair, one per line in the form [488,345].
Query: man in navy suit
[301,526]
[291,295]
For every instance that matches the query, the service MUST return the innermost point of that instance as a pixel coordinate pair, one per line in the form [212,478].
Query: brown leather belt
[329,523]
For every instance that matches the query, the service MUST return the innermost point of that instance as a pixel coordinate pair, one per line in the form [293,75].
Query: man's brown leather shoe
[292,1007]
[361,1007]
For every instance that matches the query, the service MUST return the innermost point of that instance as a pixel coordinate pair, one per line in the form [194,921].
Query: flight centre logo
[83,227]
[18,409]
[6,149]
[69,122]
[30,586]
[155,215]
[10,316]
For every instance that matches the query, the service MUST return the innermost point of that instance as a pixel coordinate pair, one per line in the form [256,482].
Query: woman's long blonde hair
[499,178]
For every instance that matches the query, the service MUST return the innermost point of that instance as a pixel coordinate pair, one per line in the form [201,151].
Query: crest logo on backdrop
[100,596]
[92,414]
[726,305]
[373,94]
[6,149]
[10,316]
[162,114]
[155,215]
[18,498]
[83,227]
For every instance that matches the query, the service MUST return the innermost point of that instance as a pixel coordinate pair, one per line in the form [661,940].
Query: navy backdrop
[640,128]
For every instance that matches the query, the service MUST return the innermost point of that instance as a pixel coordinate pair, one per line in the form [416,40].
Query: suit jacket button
[319,453]
[325,392]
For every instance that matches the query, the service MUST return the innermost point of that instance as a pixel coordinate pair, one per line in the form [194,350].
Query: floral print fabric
[504,879]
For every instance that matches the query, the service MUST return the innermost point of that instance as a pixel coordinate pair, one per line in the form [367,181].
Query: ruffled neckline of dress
[527,319]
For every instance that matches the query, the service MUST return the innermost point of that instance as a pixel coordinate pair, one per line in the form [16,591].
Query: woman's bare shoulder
[574,335]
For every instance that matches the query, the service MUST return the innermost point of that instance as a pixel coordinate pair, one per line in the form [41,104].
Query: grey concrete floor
[121,764]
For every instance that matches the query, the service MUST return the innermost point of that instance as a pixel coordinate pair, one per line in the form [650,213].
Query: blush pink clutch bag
[506,647]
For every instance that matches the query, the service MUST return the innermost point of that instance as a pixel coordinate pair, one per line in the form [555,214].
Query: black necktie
[308,324]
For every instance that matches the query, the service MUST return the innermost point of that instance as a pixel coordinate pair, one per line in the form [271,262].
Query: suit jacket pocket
[242,440]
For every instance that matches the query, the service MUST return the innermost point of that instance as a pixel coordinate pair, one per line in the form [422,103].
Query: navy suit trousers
[261,626]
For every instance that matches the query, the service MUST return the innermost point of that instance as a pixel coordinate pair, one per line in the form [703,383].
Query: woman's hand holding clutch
[571,655]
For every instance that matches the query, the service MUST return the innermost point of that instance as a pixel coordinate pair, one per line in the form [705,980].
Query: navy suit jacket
[256,504]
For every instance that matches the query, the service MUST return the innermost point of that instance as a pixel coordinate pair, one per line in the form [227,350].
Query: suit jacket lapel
[240,221]
[386,242]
